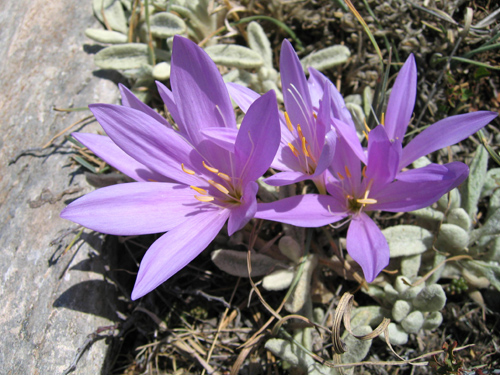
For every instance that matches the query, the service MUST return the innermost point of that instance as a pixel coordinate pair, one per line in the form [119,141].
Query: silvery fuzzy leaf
[235,263]
[400,310]
[106,36]
[301,293]
[475,280]
[397,335]
[459,217]
[354,98]
[357,349]
[490,270]
[451,238]
[413,322]
[290,248]
[113,12]
[433,320]
[490,227]
[431,298]
[450,200]
[326,58]
[358,116]
[367,100]
[284,350]
[494,251]
[367,315]
[122,56]
[271,85]
[161,71]
[410,266]
[278,280]
[165,25]
[494,204]
[405,240]
[428,213]
[438,259]
[258,41]
[421,162]
[401,284]
[235,56]
[491,182]
[471,189]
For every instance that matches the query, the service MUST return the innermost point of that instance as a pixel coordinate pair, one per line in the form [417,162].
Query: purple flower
[307,138]
[381,184]
[186,185]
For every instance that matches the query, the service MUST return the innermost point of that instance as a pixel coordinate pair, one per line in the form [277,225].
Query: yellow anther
[199,190]
[363,172]
[299,130]
[366,135]
[315,116]
[211,169]
[185,170]
[294,150]
[288,123]
[366,201]
[151,180]
[309,152]
[347,172]
[366,127]
[304,147]
[218,186]
[383,118]
[224,176]
[204,198]
[340,175]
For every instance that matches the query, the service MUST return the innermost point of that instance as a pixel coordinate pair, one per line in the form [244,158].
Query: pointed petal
[175,249]
[383,158]
[258,138]
[367,246]
[296,91]
[348,133]
[327,154]
[241,215]
[419,188]
[200,93]
[222,137]
[402,100]
[134,208]
[130,100]
[445,133]
[286,178]
[310,211]
[108,151]
[148,141]
[242,96]
[168,98]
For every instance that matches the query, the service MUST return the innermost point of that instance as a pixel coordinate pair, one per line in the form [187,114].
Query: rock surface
[51,301]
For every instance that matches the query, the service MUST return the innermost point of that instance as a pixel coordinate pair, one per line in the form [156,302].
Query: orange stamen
[347,172]
[299,130]
[211,169]
[366,127]
[294,150]
[185,170]
[363,172]
[366,135]
[288,123]
[199,190]
[383,118]
[218,186]
[340,175]
[224,176]
[315,116]
[304,147]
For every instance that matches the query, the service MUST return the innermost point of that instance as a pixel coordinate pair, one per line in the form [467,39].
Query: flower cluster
[192,178]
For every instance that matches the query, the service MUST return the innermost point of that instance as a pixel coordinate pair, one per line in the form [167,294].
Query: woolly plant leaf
[431,298]
[428,214]
[235,263]
[234,56]
[165,25]
[161,71]
[491,182]
[106,36]
[413,322]
[326,58]
[451,237]
[471,189]
[122,56]
[258,41]
[405,240]
[111,13]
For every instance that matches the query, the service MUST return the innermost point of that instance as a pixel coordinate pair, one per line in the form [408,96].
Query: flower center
[300,147]
[355,204]
[223,193]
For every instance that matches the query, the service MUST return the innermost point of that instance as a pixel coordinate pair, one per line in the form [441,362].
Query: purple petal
[108,151]
[242,214]
[134,208]
[242,96]
[286,178]
[383,158]
[367,246]
[444,133]
[258,138]
[348,133]
[420,188]
[402,100]
[175,249]
[168,99]
[200,93]
[310,211]
[130,100]
[222,137]
[148,141]
[296,91]
[327,154]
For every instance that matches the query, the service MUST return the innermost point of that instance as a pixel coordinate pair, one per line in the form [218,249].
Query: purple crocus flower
[307,138]
[186,185]
[381,184]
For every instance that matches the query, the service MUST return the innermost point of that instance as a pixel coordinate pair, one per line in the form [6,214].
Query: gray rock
[51,301]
